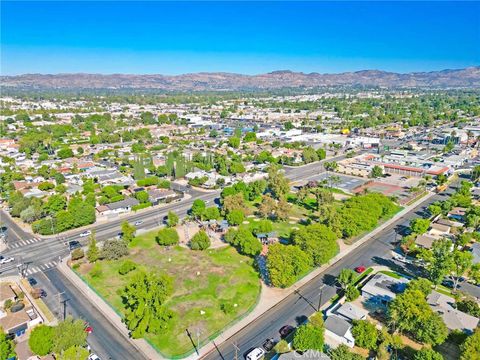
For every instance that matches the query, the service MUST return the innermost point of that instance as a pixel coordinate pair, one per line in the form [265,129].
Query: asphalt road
[298,306]
[105,340]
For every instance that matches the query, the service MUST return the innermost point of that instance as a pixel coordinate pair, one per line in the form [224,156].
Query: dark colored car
[74,244]
[286,330]
[268,344]
[32,281]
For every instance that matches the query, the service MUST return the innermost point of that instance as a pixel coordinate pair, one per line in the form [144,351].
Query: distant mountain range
[218,81]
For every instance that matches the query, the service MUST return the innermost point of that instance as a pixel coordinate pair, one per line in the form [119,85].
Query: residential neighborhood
[239,180]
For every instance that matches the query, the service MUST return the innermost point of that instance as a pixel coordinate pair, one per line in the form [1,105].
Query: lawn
[203,281]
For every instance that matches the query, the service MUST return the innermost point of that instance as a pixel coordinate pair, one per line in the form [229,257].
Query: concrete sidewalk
[140,344]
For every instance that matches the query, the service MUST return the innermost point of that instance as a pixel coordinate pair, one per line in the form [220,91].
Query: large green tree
[365,334]
[41,339]
[471,347]
[410,312]
[286,263]
[317,240]
[144,298]
[69,333]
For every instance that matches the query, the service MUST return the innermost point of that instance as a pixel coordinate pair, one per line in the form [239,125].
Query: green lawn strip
[394,274]
[203,282]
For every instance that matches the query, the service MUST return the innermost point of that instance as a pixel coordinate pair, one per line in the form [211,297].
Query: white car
[139,222]
[85,233]
[255,354]
[93,357]
[6,260]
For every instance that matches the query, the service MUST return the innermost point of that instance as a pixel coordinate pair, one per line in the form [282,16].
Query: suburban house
[117,207]
[21,316]
[439,229]
[339,330]
[383,288]
[6,293]
[454,319]
[426,240]
[348,312]
[457,213]
[157,196]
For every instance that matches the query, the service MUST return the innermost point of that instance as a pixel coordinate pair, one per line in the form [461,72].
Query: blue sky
[243,37]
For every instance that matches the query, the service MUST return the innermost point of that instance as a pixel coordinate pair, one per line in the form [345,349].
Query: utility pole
[60,303]
[320,297]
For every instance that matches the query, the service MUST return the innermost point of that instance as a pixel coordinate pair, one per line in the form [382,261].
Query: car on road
[255,354]
[93,357]
[85,233]
[38,293]
[6,260]
[74,244]
[360,269]
[268,344]
[286,330]
[88,328]
[138,223]
[32,281]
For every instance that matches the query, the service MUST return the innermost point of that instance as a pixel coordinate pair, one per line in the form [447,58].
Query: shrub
[281,347]
[126,267]
[167,236]
[77,254]
[96,271]
[200,241]
[227,308]
[352,293]
[114,249]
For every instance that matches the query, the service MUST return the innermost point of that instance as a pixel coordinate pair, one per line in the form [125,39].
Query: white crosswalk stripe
[20,243]
[42,267]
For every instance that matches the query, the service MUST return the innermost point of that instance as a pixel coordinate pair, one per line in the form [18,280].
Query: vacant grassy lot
[203,282]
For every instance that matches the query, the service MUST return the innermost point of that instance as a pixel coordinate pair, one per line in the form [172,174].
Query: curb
[140,345]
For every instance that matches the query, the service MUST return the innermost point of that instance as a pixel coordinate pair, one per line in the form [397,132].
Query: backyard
[212,288]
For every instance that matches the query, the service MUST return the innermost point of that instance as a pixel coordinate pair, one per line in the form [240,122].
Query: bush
[96,271]
[126,267]
[114,249]
[41,340]
[141,206]
[352,293]
[77,254]
[308,337]
[282,347]
[200,241]
[167,237]
[227,308]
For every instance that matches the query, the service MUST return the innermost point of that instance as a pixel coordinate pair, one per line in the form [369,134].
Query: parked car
[138,223]
[268,344]
[74,244]
[86,233]
[93,357]
[255,354]
[360,269]
[88,328]
[286,330]
[32,281]
[6,260]
[38,293]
